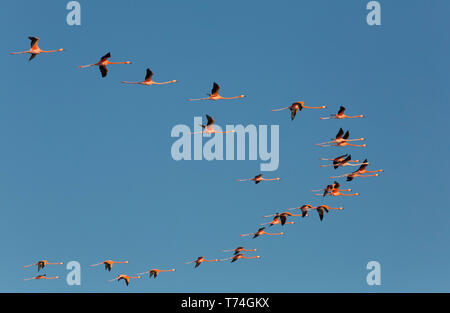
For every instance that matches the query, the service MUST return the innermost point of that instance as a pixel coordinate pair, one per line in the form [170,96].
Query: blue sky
[87,174]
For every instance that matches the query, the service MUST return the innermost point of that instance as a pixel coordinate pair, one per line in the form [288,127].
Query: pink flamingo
[214,95]
[341,140]
[238,250]
[340,115]
[41,264]
[258,178]
[103,63]
[304,209]
[297,106]
[238,256]
[154,272]
[260,232]
[35,50]
[41,277]
[126,278]
[360,172]
[109,264]
[341,161]
[148,80]
[200,260]
[209,128]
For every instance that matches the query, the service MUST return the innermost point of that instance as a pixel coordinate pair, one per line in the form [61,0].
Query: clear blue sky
[86,172]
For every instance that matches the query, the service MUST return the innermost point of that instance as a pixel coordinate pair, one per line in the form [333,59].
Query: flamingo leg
[280,109]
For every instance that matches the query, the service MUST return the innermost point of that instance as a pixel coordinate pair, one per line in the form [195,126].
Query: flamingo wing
[340,133]
[34,41]
[32,56]
[347,134]
[105,57]
[341,110]
[148,75]
[210,120]
[215,89]
[103,70]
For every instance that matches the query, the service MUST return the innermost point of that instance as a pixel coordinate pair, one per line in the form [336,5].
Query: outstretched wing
[215,89]
[34,41]
[103,70]
[340,133]
[210,120]
[347,134]
[148,75]
[32,56]
[105,57]
[341,110]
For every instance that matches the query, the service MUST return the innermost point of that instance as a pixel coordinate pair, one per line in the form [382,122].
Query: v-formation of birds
[341,139]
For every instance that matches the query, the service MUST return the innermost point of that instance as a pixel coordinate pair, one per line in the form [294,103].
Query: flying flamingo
[304,208]
[41,264]
[240,256]
[126,278]
[341,140]
[340,115]
[103,63]
[214,95]
[297,106]
[335,191]
[200,260]
[108,264]
[258,178]
[360,172]
[41,277]
[148,80]
[321,209]
[154,272]
[281,218]
[238,250]
[209,128]
[327,189]
[260,232]
[276,220]
[342,160]
[35,50]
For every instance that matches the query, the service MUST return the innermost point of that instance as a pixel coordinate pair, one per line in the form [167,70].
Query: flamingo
[126,278]
[360,172]
[103,63]
[258,178]
[240,256]
[260,232]
[41,264]
[41,277]
[335,191]
[304,208]
[214,95]
[340,115]
[108,264]
[297,106]
[341,161]
[321,209]
[238,250]
[281,218]
[154,272]
[148,80]
[200,260]
[209,128]
[341,140]
[276,220]
[327,189]
[35,50]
